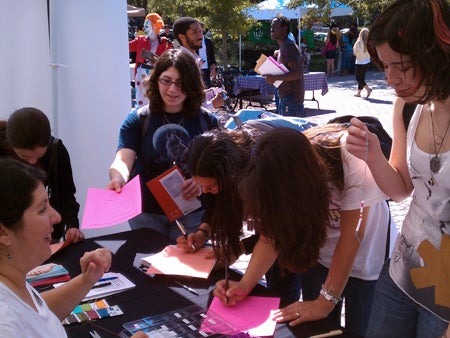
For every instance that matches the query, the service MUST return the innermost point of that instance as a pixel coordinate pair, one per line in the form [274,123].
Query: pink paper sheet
[252,315]
[175,261]
[107,207]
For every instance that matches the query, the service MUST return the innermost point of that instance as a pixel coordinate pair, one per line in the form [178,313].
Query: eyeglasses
[168,82]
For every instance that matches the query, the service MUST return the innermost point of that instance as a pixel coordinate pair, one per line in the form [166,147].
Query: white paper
[121,283]
[172,183]
[271,67]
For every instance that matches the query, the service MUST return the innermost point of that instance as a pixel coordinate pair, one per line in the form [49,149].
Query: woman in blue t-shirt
[155,137]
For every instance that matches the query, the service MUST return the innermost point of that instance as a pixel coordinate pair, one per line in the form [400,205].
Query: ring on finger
[297,314]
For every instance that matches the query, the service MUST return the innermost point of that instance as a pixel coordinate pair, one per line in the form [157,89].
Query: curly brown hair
[286,195]
[191,82]
[222,154]
[326,141]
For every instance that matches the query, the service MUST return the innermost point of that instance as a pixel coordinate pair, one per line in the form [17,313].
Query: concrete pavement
[340,100]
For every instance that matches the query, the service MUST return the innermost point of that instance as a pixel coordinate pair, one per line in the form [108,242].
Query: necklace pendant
[435,164]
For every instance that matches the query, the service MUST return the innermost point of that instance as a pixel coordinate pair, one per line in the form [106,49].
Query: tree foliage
[365,10]
[225,19]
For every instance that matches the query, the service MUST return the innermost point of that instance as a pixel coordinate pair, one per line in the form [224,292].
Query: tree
[225,19]
[365,10]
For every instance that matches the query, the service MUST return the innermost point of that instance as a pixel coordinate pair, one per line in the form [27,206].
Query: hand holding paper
[167,189]
[269,66]
[107,207]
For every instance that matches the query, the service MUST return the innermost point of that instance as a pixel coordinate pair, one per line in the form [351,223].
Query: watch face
[329,297]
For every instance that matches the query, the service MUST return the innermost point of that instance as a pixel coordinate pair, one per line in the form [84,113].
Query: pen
[102,285]
[328,334]
[183,231]
[226,279]
[107,278]
[184,286]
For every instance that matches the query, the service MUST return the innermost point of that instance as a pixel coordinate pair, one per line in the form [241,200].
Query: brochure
[167,191]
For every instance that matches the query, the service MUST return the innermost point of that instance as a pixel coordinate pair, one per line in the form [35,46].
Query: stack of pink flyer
[269,66]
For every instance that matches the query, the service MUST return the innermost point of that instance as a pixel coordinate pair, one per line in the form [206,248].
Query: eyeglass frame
[165,81]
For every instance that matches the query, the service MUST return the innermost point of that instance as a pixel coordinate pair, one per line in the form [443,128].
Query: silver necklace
[180,123]
[435,161]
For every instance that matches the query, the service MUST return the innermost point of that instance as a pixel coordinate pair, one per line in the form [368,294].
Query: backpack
[374,125]
[264,120]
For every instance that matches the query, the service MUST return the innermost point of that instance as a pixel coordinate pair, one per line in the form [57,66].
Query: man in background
[291,92]
[189,33]
[209,65]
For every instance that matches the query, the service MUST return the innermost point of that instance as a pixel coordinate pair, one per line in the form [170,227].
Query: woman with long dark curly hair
[283,182]
[216,160]
[290,181]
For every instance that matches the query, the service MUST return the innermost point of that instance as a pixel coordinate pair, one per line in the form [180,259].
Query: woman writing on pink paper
[280,189]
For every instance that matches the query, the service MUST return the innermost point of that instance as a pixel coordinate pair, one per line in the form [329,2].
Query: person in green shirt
[308,35]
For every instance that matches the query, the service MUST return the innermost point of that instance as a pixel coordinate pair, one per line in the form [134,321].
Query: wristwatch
[329,297]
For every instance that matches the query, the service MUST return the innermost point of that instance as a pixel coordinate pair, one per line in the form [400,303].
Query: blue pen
[107,278]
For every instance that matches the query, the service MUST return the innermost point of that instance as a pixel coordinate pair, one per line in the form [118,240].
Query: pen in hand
[183,231]
[226,279]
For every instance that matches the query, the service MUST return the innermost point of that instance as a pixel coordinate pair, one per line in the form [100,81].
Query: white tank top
[427,219]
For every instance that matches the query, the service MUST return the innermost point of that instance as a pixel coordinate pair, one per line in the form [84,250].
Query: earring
[8,254]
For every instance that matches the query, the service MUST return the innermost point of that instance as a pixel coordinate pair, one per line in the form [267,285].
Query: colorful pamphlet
[92,311]
[167,191]
[47,274]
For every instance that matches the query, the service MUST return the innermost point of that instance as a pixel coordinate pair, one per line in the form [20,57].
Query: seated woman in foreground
[26,225]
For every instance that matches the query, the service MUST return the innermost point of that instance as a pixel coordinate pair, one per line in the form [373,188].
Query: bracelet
[204,231]
[329,296]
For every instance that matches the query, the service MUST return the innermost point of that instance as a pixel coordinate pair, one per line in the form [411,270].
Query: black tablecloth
[154,295]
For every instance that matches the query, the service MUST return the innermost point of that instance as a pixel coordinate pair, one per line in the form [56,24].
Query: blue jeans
[288,106]
[346,59]
[277,98]
[162,224]
[394,314]
[358,295]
